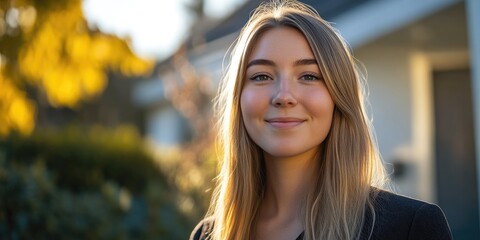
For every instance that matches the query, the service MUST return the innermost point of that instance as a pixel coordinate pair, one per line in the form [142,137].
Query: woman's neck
[288,181]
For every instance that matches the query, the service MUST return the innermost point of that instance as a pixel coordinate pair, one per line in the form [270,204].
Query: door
[455,152]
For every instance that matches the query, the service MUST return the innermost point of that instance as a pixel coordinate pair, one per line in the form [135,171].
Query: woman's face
[286,107]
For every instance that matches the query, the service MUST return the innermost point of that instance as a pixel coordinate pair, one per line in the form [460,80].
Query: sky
[155,27]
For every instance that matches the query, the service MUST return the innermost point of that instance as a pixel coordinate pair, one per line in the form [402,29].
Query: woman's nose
[284,95]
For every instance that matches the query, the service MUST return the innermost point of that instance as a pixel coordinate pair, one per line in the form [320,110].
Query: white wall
[399,81]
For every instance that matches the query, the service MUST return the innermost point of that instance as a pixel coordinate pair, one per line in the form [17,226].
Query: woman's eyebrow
[260,62]
[305,62]
[271,63]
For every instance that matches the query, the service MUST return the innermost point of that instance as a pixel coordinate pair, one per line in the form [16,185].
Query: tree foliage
[49,53]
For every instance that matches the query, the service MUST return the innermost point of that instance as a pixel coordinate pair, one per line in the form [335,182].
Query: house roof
[328,9]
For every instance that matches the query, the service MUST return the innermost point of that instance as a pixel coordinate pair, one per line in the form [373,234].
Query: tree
[49,55]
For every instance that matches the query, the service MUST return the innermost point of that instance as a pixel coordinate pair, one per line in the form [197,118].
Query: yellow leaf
[16,111]
[93,81]
[21,115]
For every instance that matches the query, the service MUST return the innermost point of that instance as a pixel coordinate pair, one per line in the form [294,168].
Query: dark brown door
[455,152]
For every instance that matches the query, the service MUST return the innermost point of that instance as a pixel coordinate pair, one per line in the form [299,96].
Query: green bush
[82,160]
[94,184]
[33,207]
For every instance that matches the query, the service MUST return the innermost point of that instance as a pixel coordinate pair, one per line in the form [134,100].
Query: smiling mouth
[284,123]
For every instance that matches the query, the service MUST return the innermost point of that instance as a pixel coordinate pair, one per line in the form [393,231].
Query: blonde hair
[349,161]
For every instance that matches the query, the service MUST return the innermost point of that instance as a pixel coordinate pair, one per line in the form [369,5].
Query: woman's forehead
[280,42]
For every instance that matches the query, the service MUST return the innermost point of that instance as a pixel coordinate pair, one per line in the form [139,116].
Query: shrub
[82,160]
[94,184]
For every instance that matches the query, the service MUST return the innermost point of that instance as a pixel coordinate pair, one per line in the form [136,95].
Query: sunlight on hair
[344,185]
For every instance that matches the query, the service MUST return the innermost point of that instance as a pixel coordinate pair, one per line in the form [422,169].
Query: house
[423,65]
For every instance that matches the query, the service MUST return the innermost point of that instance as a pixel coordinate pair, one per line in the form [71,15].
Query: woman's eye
[261,77]
[309,77]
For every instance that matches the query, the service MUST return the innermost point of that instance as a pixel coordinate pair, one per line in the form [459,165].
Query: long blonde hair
[349,161]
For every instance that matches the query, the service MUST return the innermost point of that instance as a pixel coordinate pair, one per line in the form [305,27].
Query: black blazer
[396,217]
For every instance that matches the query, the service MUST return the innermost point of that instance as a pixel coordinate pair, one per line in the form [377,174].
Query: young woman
[299,160]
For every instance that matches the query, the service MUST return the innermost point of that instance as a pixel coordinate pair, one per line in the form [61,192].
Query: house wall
[400,68]
[400,107]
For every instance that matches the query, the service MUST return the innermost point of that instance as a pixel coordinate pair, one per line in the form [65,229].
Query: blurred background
[106,121]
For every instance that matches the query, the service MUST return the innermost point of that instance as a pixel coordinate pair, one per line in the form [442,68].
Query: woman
[299,160]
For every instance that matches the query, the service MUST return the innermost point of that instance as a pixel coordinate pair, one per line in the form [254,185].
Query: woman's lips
[284,123]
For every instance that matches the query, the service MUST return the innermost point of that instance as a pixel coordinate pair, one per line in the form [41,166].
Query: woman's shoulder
[388,203]
[203,229]
[397,215]
[386,200]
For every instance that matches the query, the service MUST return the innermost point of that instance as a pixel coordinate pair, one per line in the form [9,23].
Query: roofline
[375,19]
